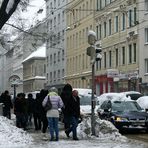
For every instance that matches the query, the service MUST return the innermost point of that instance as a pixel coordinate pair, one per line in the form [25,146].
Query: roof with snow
[39,53]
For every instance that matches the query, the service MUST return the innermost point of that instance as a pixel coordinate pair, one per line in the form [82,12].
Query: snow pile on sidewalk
[11,135]
[103,130]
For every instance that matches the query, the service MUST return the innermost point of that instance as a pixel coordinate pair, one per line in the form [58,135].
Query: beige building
[34,70]
[80,19]
[117,31]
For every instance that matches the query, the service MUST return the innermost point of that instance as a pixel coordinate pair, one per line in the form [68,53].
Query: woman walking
[53,113]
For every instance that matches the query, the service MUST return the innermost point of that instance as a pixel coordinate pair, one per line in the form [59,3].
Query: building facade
[80,19]
[34,70]
[56,25]
[117,31]
[143,44]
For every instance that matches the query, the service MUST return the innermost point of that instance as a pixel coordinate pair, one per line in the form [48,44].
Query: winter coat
[56,102]
[6,100]
[20,106]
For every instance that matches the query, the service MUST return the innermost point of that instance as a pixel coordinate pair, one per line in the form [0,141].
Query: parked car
[124,114]
[134,95]
[143,102]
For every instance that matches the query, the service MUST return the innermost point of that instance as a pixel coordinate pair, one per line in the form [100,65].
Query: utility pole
[94,52]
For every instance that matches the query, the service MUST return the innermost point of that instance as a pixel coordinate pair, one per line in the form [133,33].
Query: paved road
[137,135]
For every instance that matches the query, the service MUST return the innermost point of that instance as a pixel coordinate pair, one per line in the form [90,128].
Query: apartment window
[110,59]
[58,56]
[135,16]
[51,59]
[63,16]
[146,5]
[100,31]
[50,24]
[97,31]
[104,59]
[123,21]
[47,59]
[130,54]
[50,76]
[116,24]
[83,60]
[63,55]
[63,73]
[58,18]
[146,35]
[54,75]
[135,51]
[54,21]
[117,55]
[146,65]
[123,55]
[54,58]
[130,18]
[104,29]
[58,38]
[58,74]
[110,26]
[44,68]
[98,5]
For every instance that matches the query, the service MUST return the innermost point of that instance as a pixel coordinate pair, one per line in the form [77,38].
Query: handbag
[48,105]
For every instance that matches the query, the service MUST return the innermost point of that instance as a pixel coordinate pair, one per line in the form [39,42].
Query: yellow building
[80,19]
[117,30]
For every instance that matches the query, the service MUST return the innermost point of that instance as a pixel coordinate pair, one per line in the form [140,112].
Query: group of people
[30,108]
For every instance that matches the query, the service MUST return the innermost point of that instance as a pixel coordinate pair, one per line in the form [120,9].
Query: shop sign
[112,73]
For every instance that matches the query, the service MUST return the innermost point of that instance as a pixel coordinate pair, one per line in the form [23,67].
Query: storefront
[113,81]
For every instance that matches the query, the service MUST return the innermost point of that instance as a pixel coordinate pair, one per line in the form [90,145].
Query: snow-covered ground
[107,136]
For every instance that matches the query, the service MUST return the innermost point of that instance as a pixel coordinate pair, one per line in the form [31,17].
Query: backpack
[48,105]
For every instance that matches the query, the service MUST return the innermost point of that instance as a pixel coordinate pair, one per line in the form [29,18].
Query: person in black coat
[37,112]
[7,104]
[30,102]
[70,110]
[44,121]
[20,110]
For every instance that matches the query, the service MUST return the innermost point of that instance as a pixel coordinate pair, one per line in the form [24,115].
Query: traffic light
[98,53]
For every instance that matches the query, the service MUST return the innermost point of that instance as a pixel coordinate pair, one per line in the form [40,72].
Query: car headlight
[120,119]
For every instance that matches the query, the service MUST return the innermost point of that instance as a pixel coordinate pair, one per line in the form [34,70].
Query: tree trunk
[4,16]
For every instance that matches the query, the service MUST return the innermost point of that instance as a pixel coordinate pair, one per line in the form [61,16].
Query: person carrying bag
[53,113]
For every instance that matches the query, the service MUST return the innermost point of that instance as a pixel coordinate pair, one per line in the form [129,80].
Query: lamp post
[91,51]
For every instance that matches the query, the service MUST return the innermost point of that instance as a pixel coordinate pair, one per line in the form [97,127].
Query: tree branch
[3,15]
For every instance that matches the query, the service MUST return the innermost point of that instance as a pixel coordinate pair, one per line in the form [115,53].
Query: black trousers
[44,123]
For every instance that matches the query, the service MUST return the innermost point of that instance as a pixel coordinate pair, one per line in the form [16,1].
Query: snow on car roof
[130,92]
[112,97]
[83,91]
[143,102]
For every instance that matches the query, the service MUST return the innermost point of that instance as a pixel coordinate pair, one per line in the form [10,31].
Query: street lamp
[94,52]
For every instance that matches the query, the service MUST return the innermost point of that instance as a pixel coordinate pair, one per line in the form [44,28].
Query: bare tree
[7,8]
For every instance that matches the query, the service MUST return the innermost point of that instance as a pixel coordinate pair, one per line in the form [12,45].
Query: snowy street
[108,137]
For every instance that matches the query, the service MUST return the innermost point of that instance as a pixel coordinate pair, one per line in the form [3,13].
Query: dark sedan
[124,114]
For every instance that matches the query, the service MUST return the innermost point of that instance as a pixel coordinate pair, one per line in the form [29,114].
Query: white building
[56,23]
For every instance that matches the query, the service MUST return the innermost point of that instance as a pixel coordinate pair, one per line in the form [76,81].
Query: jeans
[53,127]
[73,123]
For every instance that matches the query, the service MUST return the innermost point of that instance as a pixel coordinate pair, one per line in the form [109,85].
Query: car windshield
[124,106]
[85,100]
